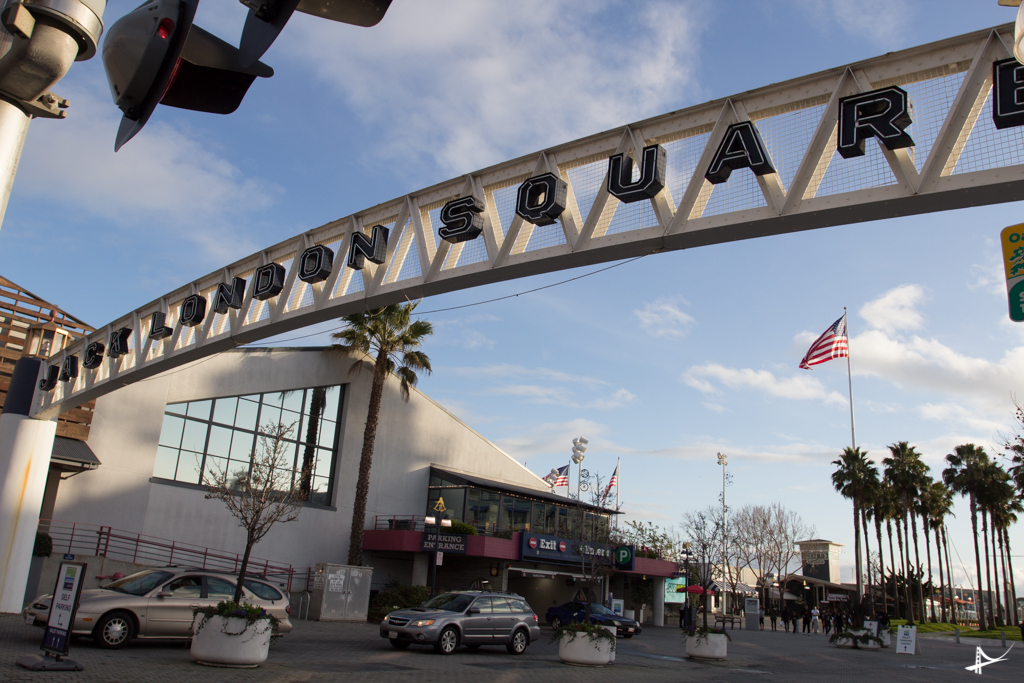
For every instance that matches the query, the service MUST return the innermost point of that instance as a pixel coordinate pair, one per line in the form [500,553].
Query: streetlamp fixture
[579,447]
[443,522]
[552,477]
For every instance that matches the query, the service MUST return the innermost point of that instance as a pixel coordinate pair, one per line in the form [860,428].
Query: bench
[724,619]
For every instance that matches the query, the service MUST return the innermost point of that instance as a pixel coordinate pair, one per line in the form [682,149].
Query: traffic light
[155,55]
[267,17]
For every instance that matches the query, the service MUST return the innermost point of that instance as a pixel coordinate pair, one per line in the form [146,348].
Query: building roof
[72,454]
[820,540]
[481,482]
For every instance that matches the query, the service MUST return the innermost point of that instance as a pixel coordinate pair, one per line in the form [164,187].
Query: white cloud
[495,80]
[862,18]
[895,310]
[164,178]
[550,438]
[797,387]
[663,318]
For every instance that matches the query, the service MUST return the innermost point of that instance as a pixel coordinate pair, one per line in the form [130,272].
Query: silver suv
[470,618]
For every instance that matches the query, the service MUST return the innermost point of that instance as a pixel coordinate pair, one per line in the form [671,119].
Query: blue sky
[662,361]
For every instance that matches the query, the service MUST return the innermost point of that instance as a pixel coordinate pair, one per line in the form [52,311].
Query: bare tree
[592,535]
[785,530]
[751,539]
[704,529]
[268,493]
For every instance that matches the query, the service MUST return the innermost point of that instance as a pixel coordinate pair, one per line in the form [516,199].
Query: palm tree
[387,335]
[939,504]
[879,511]
[964,476]
[996,499]
[924,511]
[1008,517]
[853,479]
[888,513]
[917,510]
[905,471]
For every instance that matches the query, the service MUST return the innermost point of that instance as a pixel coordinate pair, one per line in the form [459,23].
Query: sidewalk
[316,652]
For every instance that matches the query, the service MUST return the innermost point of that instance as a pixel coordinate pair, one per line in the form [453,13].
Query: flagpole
[849,378]
[618,478]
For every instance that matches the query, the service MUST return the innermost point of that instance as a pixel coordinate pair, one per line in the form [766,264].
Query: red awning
[698,589]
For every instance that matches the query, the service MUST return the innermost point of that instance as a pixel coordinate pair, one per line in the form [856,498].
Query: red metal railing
[104,541]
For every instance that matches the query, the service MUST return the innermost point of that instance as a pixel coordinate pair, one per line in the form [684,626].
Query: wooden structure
[19,309]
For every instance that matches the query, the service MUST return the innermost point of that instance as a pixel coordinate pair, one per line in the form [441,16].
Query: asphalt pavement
[316,652]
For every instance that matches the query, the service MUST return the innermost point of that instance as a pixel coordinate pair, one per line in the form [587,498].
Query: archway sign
[931,128]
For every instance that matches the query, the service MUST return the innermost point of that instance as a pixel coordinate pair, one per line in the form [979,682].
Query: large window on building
[217,434]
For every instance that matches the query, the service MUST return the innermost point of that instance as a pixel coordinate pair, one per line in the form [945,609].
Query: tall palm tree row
[854,478]
[906,473]
[391,339]
[964,475]
[938,505]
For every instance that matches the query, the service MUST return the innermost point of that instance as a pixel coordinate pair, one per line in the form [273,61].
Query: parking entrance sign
[57,639]
[60,622]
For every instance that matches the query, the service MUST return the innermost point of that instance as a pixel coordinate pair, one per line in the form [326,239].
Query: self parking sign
[1012,239]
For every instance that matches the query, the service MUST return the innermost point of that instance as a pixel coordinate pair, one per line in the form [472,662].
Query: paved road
[320,652]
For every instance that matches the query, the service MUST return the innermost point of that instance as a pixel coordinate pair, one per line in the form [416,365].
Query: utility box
[340,593]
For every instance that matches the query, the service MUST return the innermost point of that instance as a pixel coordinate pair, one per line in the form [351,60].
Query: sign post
[1012,241]
[57,639]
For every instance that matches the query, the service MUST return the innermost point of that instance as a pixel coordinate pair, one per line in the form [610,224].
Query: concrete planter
[230,642]
[845,642]
[711,646]
[615,634]
[857,645]
[583,651]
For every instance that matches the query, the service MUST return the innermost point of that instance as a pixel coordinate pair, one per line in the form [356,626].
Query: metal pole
[433,559]
[849,378]
[13,129]
[725,552]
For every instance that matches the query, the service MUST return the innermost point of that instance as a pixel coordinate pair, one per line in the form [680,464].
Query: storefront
[523,542]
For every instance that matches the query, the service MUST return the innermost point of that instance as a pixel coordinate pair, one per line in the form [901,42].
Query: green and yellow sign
[1012,240]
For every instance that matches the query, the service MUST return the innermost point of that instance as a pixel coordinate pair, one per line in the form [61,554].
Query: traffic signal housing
[155,55]
[267,18]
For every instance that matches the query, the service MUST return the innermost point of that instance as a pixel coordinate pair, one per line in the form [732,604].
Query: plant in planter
[235,633]
[707,643]
[584,643]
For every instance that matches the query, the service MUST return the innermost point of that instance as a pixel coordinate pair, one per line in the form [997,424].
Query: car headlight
[617,623]
[422,622]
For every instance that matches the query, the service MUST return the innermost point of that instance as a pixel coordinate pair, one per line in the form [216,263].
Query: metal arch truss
[959,159]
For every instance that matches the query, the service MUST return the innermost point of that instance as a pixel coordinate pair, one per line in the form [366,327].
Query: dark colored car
[470,618]
[599,614]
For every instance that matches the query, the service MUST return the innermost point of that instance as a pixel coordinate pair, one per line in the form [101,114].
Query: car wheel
[447,642]
[556,623]
[519,642]
[400,644]
[114,630]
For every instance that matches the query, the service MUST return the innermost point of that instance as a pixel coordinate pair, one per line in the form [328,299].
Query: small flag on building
[832,344]
[563,477]
[614,481]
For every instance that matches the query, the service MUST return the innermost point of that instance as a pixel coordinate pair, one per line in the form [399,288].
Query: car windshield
[597,608]
[139,584]
[450,602]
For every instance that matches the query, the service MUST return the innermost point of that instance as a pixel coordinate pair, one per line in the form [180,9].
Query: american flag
[614,481]
[563,477]
[832,344]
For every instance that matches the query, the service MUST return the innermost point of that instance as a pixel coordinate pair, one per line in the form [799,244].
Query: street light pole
[438,523]
[723,461]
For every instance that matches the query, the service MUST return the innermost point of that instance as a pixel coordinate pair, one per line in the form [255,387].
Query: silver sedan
[158,603]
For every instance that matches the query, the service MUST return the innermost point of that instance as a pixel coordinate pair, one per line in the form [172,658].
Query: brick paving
[319,652]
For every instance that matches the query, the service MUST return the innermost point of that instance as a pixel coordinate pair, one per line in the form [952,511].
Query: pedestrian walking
[814,620]
[773,616]
[785,618]
[760,617]
[807,621]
